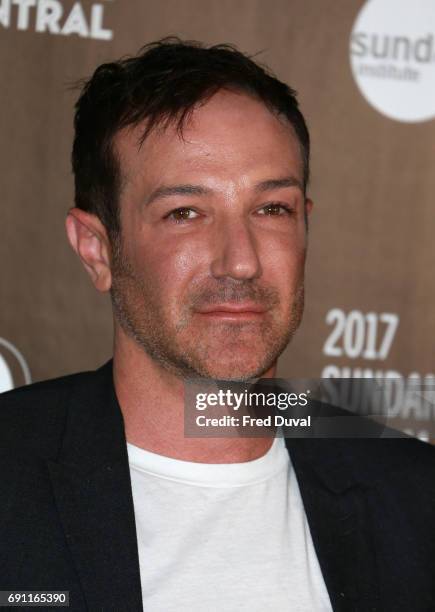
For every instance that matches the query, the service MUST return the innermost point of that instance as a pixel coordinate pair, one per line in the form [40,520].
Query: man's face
[209,276]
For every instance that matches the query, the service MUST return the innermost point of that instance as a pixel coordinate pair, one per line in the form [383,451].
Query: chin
[238,371]
[235,359]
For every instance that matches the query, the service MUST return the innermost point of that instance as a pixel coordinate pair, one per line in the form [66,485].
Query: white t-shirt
[224,537]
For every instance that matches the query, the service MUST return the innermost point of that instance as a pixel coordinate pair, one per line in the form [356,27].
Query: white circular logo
[14,370]
[392,54]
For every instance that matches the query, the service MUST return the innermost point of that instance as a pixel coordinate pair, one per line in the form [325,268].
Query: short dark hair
[162,83]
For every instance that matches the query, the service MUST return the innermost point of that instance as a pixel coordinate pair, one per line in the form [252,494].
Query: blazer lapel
[339,522]
[92,490]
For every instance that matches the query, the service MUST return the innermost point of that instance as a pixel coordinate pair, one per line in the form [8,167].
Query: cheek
[283,263]
[169,266]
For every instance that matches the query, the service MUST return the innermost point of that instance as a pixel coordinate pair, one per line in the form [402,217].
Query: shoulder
[378,462]
[39,396]
[400,463]
[32,417]
[374,450]
[394,452]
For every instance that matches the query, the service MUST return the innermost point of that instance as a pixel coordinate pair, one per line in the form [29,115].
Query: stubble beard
[186,353]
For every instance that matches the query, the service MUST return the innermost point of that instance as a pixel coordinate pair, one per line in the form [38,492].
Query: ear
[308,206]
[88,237]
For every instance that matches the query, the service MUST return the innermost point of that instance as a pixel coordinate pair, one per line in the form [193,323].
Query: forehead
[232,138]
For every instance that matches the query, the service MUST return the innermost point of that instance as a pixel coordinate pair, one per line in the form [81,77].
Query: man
[191,170]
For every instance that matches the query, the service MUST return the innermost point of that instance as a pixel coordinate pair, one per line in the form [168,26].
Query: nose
[235,251]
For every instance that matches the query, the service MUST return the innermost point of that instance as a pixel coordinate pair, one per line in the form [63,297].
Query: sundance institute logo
[392,52]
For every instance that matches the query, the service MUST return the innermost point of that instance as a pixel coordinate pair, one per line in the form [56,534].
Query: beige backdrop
[371,237]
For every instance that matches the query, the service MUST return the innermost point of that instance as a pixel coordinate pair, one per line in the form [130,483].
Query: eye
[179,215]
[275,209]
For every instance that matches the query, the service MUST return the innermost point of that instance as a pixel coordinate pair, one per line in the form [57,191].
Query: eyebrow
[167,191]
[269,185]
[176,190]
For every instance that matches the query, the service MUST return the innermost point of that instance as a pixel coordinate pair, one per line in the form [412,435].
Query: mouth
[240,311]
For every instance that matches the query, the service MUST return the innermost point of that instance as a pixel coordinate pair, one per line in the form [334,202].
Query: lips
[239,310]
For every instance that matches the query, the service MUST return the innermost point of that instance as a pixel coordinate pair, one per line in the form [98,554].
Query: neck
[152,405]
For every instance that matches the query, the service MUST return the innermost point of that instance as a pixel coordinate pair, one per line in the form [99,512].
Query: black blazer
[67,518]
